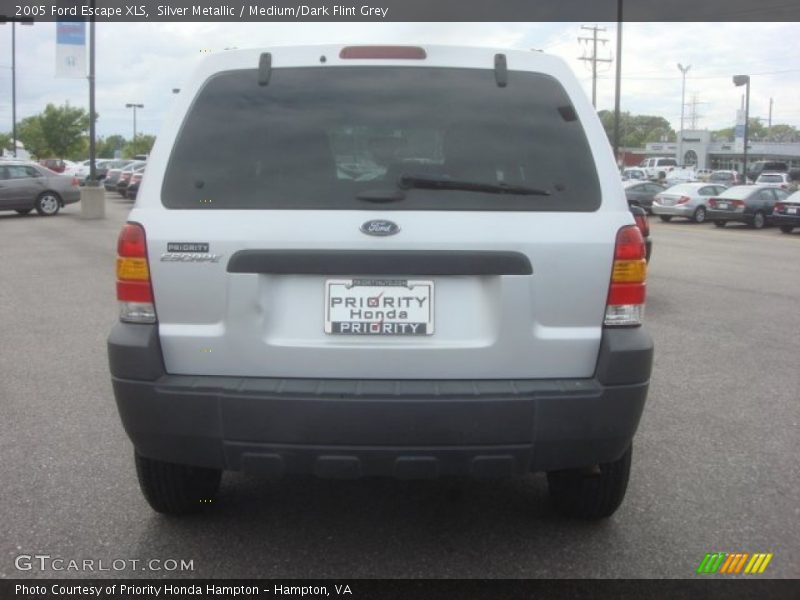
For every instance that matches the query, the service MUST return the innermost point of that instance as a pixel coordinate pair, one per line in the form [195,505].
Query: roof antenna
[500,70]
[264,68]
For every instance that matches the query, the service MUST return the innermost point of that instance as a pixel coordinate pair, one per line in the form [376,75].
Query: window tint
[771,179]
[781,194]
[314,138]
[32,172]
[17,172]
[708,191]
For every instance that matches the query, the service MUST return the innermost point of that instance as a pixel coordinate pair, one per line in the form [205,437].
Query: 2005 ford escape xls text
[381,261]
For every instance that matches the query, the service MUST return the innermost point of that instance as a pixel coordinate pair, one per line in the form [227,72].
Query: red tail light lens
[626,294]
[383,52]
[712,202]
[75,182]
[738,203]
[683,200]
[779,207]
[134,291]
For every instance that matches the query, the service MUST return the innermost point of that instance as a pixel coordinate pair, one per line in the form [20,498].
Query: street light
[738,81]
[683,70]
[25,21]
[134,107]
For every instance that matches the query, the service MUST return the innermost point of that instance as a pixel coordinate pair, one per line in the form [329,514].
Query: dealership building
[699,150]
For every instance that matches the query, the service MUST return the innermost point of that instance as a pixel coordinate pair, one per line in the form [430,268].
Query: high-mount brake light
[134,291]
[383,52]
[626,294]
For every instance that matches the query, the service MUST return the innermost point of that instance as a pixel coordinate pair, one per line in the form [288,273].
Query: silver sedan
[687,200]
[25,186]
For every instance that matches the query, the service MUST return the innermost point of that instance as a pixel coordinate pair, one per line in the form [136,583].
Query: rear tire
[665,218]
[24,211]
[759,220]
[594,493]
[174,489]
[48,204]
[786,228]
[719,223]
[699,215]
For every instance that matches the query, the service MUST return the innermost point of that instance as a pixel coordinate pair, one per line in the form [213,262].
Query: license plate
[791,211]
[722,205]
[378,307]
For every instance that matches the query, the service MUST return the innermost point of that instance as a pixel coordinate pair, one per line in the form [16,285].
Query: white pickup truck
[657,167]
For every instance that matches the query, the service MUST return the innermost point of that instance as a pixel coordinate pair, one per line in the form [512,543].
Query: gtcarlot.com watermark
[46,562]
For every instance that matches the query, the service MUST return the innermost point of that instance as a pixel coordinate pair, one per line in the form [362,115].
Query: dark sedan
[641,193]
[750,204]
[786,214]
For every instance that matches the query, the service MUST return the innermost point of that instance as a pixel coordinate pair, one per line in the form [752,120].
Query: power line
[593,58]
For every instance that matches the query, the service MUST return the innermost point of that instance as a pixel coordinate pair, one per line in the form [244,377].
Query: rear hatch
[378,221]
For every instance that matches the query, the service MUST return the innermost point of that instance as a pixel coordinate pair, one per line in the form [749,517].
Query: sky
[142,62]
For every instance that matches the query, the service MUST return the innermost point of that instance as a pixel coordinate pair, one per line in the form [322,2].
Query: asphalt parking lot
[715,460]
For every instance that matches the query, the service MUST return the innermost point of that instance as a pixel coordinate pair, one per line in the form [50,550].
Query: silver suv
[381,261]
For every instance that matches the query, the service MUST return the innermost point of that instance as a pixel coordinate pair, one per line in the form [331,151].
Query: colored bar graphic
[733,563]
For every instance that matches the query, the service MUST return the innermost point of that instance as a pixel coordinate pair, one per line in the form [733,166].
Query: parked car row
[756,205]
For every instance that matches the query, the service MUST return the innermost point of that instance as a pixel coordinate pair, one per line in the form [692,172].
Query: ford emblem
[380,227]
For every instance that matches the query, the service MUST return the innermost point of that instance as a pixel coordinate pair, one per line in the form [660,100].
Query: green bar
[701,568]
[714,566]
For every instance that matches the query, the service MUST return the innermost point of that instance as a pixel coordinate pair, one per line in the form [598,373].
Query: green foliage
[58,132]
[106,147]
[637,130]
[141,145]
[5,142]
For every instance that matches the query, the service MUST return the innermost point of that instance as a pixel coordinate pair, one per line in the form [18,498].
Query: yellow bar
[727,562]
[132,269]
[753,564]
[765,563]
[629,271]
[740,564]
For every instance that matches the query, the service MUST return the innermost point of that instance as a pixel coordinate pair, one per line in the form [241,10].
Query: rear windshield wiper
[441,183]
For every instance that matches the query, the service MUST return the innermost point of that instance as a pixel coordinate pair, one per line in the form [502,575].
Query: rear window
[771,179]
[317,138]
[721,176]
[739,191]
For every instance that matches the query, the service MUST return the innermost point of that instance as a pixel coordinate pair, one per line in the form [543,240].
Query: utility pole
[769,122]
[617,82]
[693,116]
[683,71]
[593,58]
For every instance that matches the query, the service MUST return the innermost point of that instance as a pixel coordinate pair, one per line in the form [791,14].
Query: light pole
[25,21]
[683,70]
[739,80]
[134,107]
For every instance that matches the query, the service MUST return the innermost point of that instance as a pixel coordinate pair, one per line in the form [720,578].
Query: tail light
[779,207]
[383,52]
[738,203]
[712,202]
[75,182]
[683,200]
[626,294]
[134,291]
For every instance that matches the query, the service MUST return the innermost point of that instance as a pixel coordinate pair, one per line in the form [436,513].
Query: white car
[779,180]
[475,308]
[680,175]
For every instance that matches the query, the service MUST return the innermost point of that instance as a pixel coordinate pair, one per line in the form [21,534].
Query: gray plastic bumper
[402,428]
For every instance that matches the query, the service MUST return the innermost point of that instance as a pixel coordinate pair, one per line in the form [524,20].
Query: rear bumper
[681,210]
[784,219]
[402,428]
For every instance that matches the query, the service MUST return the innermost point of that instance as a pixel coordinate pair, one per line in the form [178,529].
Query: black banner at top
[401,10]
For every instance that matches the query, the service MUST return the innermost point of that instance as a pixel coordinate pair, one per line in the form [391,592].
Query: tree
[141,145]
[637,130]
[29,132]
[755,131]
[5,142]
[59,131]
[783,133]
[107,147]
